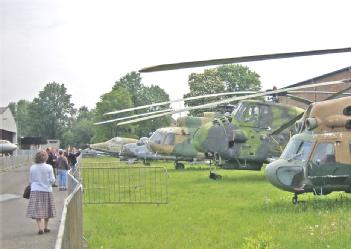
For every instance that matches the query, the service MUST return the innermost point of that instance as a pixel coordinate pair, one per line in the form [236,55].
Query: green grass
[242,210]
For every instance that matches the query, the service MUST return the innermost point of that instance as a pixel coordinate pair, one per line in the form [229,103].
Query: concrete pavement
[17,231]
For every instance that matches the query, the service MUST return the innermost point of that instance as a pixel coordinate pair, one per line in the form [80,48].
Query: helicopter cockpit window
[248,113]
[297,150]
[324,154]
[170,139]
[157,137]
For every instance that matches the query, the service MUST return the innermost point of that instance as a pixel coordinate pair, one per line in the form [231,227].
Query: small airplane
[6,147]
[113,146]
[318,158]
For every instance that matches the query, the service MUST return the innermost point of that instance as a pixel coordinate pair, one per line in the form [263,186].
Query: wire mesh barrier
[103,184]
[21,158]
[70,233]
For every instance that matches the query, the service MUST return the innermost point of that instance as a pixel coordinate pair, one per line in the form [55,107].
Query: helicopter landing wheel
[294,199]
[146,163]
[179,165]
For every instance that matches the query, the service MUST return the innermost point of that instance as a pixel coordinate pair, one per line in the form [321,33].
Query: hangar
[344,73]
[8,127]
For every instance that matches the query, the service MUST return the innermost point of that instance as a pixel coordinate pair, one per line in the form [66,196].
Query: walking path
[17,231]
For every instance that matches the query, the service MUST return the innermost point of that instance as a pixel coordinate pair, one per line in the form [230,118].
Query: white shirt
[41,177]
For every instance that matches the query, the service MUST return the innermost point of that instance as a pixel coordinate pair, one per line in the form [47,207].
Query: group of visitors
[61,161]
[42,178]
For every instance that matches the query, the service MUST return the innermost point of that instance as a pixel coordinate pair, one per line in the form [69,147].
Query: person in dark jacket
[62,167]
[72,157]
[51,161]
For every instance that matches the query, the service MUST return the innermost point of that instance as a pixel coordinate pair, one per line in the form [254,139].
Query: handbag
[26,193]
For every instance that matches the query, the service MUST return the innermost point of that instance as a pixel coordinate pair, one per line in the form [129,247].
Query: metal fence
[70,235]
[21,158]
[103,184]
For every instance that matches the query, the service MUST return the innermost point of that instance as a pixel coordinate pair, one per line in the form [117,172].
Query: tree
[119,98]
[143,95]
[20,111]
[81,132]
[149,95]
[51,112]
[226,78]
[238,78]
[132,83]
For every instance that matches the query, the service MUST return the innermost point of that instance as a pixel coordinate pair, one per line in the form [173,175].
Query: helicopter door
[168,143]
[323,168]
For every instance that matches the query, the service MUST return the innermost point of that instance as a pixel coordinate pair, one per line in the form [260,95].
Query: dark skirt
[41,205]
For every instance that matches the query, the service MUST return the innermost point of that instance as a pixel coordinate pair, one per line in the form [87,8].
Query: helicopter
[113,146]
[318,158]
[170,143]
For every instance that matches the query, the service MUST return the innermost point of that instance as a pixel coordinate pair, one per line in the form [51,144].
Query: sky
[89,45]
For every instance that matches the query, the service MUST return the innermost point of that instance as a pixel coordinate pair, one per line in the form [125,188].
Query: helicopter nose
[285,176]
[210,138]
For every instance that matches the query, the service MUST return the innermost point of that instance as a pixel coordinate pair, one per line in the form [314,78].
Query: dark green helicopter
[247,138]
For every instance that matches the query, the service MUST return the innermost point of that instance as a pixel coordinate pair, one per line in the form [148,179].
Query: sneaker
[40,232]
[47,230]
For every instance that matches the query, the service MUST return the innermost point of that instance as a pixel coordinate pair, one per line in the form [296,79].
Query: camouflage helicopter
[113,146]
[170,143]
[318,158]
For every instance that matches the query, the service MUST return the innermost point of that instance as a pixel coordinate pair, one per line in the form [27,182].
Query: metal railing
[21,158]
[70,235]
[134,185]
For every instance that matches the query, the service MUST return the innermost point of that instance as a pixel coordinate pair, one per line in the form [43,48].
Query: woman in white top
[41,204]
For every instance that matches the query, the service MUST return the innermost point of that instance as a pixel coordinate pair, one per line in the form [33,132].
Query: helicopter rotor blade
[286,125]
[206,96]
[179,100]
[338,93]
[299,99]
[191,64]
[131,117]
[146,118]
[216,103]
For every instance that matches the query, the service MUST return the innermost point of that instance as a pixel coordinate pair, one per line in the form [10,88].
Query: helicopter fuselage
[243,140]
[318,163]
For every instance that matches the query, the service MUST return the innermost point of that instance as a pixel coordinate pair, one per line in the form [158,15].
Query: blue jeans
[62,178]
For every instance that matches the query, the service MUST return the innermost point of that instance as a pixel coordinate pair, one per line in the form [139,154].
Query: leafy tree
[81,132]
[149,95]
[142,95]
[132,83]
[238,78]
[51,112]
[226,78]
[20,111]
[119,98]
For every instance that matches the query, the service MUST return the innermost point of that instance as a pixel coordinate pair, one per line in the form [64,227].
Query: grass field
[242,210]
